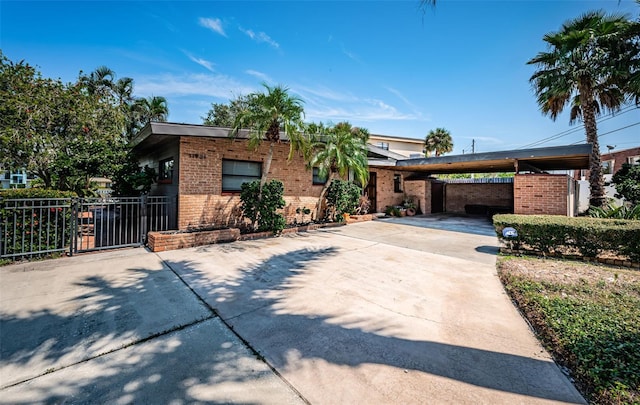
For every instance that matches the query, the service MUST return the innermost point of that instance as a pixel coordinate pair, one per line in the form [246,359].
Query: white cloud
[202,62]
[205,84]
[262,76]
[214,25]
[260,37]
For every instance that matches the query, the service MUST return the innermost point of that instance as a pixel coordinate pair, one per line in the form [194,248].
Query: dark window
[166,171]
[316,177]
[236,172]
[607,167]
[397,183]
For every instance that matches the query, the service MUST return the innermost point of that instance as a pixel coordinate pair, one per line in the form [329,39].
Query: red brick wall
[201,201]
[385,194]
[540,194]
[421,190]
[457,195]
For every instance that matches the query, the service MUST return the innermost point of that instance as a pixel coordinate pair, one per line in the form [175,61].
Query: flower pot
[346,216]
[411,212]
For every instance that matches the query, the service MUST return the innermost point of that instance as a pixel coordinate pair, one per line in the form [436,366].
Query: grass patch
[587,316]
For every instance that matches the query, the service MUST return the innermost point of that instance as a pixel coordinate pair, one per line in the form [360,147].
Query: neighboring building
[102,186]
[15,179]
[407,147]
[203,169]
[611,163]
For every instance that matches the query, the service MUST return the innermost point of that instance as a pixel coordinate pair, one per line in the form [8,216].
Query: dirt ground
[566,271]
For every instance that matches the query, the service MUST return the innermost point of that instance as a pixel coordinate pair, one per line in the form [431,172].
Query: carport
[540,184]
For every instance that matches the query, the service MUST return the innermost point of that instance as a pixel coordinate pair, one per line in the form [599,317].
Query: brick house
[203,168]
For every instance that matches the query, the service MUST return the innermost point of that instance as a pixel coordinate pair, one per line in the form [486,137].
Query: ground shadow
[253,305]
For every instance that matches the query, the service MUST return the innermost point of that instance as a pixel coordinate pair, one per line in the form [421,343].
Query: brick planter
[170,240]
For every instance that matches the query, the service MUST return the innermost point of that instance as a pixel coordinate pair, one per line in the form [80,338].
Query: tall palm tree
[265,115]
[587,67]
[151,109]
[100,81]
[335,151]
[439,141]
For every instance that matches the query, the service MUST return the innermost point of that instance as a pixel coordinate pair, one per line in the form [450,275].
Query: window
[316,177]
[397,183]
[166,171]
[383,145]
[236,172]
[607,167]
[633,160]
[17,179]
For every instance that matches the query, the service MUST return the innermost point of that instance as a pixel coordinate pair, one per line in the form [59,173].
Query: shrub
[343,197]
[590,236]
[262,212]
[39,223]
[627,183]
[624,211]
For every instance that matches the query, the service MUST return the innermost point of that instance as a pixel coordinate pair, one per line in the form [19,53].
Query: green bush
[41,223]
[590,236]
[343,197]
[262,212]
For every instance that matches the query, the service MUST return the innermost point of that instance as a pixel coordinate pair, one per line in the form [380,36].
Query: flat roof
[572,157]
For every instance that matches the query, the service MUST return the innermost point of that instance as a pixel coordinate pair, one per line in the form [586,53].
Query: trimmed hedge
[559,234]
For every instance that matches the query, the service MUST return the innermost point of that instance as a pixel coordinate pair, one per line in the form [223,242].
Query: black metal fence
[42,226]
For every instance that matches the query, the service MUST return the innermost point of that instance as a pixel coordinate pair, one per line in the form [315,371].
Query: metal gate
[119,222]
[42,226]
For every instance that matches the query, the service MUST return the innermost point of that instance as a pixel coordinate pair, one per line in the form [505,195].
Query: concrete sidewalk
[120,327]
[374,312]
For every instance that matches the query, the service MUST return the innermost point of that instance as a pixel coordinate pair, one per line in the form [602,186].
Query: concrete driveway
[389,311]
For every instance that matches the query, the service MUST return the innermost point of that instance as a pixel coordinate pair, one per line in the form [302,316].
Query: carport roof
[572,157]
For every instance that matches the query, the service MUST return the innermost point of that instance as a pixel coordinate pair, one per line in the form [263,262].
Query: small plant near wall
[262,211]
[303,212]
[343,197]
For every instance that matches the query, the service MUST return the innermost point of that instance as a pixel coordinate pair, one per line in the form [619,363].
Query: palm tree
[439,141]
[151,109]
[265,115]
[587,67]
[335,151]
[100,81]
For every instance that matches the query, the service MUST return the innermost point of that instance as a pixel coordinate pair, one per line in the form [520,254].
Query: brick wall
[201,201]
[541,194]
[421,190]
[385,194]
[457,195]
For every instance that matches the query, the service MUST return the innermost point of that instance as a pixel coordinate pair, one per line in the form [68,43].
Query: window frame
[165,176]
[397,183]
[223,175]
[607,166]
[315,177]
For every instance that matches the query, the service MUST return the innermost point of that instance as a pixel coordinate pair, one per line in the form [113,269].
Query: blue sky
[385,66]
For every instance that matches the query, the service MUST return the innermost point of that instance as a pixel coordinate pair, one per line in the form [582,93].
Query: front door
[437,197]
[370,191]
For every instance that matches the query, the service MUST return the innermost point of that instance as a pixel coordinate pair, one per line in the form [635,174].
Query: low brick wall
[161,241]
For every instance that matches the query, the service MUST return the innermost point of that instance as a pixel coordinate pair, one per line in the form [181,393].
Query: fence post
[73,246]
[143,219]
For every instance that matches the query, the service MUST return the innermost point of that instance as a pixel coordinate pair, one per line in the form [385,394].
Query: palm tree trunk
[596,181]
[323,193]
[265,171]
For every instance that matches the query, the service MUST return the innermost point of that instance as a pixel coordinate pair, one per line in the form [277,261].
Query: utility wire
[612,131]
[578,129]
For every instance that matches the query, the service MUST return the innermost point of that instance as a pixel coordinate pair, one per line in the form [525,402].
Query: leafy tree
[265,116]
[343,197]
[627,183]
[224,115]
[335,150]
[65,133]
[588,66]
[439,141]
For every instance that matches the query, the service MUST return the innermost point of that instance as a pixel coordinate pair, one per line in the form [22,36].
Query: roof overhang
[572,157]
